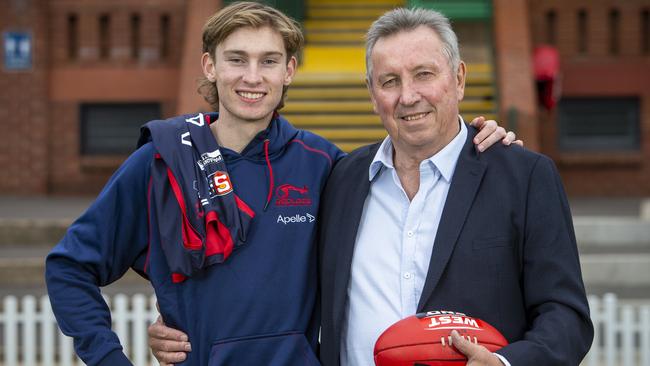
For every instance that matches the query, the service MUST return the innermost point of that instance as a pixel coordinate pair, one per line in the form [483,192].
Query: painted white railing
[30,335]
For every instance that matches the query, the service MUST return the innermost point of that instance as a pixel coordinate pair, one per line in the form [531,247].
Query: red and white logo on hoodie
[290,195]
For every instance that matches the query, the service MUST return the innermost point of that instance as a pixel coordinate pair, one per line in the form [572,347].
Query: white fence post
[29,330]
[627,337]
[152,316]
[139,324]
[120,320]
[47,332]
[610,328]
[593,356]
[10,331]
[644,321]
[65,349]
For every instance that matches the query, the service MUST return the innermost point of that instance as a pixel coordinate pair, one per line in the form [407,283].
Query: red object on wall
[546,65]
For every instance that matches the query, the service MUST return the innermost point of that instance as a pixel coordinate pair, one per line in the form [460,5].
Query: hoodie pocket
[284,349]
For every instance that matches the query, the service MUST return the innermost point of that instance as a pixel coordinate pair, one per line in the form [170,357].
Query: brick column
[189,100]
[514,69]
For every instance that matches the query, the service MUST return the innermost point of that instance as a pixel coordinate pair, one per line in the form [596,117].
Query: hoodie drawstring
[268,165]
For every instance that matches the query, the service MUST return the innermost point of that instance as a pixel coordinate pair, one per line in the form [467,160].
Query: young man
[217,210]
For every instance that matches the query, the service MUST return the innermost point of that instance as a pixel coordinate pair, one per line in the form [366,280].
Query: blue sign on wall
[17,50]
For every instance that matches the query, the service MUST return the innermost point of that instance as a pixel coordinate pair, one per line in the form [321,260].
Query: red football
[424,339]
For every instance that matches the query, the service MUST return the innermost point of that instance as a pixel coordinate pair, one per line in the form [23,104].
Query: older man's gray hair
[402,19]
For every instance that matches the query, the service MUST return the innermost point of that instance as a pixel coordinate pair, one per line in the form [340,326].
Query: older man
[432,224]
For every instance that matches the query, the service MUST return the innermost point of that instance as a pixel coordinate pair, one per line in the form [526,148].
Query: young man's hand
[490,132]
[168,345]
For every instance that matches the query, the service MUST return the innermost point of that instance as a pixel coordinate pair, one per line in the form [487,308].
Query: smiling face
[415,91]
[250,69]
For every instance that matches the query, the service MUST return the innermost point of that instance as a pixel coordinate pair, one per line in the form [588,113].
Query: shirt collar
[444,160]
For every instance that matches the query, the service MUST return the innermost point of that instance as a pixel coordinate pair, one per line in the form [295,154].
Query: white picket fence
[622,333]
[30,336]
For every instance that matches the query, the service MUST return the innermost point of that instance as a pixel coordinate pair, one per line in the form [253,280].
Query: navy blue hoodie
[257,307]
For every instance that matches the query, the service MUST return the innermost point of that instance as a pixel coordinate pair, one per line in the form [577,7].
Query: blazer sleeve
[560,331]
[98,248]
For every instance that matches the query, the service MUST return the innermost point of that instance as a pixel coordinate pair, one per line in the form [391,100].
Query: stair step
[350,146]
[318,106]
[328,119]
[608,230]
[366,106]
[338,12]
[311,121]
[331,59]
[355,134]
[314,79]
[335,37]
[361,25]
[476,77]
[32,231]
[616,269]
[361,92]
[384,3]
[19,271]
[328,94]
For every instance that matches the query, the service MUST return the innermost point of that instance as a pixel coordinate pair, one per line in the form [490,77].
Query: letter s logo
[222,183]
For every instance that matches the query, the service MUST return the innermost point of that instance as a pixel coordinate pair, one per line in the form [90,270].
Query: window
[598,124]
[164,36]
[104,36]
[645,31]
[614,29]
[551,21]
[135,36]
[582,31]
[113,129]
[73,36]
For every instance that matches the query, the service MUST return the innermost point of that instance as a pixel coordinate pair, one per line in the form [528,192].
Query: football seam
[423,343]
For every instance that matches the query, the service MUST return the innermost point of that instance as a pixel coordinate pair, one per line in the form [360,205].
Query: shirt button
[407,275]
[409,233]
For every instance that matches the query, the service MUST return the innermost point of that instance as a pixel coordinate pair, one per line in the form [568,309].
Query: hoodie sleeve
[98,248]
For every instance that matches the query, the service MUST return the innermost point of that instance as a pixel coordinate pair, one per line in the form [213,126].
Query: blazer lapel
[356,189]
[464,186]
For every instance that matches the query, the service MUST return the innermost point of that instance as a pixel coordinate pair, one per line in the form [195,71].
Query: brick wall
[136,57]
[24,104]
[147,74]
[598,72]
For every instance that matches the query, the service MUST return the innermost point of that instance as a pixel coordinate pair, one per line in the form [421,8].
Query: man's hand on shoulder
[477,355]
[167,344]
[490,132]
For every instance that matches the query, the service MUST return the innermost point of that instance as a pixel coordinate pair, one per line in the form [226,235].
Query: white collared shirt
[393,247]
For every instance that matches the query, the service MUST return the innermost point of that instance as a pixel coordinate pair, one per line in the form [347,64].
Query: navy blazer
[505,252]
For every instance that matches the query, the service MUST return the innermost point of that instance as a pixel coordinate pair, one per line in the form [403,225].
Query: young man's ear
[291,70]
[208,67]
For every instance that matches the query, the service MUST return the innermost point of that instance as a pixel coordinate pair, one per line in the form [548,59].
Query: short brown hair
[246,14]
